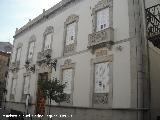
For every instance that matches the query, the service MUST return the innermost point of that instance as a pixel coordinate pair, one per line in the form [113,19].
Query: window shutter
[102,77]
[102,19]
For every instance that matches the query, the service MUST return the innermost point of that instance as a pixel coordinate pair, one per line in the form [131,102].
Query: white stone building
[101,52]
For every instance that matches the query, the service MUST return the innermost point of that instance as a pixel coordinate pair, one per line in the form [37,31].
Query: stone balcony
[101,38]
[14,66]
[42,55]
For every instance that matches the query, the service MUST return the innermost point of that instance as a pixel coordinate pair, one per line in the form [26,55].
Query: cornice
[42,16]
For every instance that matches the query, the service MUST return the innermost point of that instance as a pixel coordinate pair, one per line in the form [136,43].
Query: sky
[16,13]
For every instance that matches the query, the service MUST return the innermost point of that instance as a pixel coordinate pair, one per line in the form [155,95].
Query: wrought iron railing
[153,24]
[155,10]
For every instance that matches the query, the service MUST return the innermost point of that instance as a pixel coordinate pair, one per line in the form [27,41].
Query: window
[26,85]
[18,54]
[102,77]
[70,35]
[102,19]
[47,44]
[31,50]
[67,79]
[13,88]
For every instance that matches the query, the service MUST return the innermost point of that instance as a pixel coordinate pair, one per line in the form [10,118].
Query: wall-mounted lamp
[119,47]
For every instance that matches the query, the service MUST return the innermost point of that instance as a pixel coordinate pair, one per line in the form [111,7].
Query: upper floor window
[102,15]
[102,19]
[47,43]
[48,36]
[71,32]
[18,54]
[31,50]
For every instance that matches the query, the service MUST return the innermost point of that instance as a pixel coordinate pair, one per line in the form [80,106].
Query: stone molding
[102,100]
[70,49]
[48,30]
[68,65]
[101,38]
[42,55]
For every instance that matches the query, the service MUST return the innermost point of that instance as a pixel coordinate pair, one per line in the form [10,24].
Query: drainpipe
[148,61]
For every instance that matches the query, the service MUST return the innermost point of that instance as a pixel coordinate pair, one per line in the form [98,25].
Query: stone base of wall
[79,113]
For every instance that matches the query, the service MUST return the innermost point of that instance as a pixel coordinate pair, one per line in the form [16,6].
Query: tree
[53,90]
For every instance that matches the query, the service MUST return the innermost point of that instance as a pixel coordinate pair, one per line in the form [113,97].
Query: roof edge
[39,18]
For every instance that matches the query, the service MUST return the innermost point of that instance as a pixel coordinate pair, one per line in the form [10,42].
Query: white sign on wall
[67,79]
[102,77]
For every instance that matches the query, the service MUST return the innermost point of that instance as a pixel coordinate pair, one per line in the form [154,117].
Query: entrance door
[40,107]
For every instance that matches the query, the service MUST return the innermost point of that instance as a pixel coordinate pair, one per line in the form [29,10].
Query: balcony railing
[153,24]
[42,55]
[101,38]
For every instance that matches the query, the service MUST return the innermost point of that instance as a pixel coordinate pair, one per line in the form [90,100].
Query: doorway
[40,106]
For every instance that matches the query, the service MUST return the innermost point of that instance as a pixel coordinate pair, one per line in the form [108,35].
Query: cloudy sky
[15,13]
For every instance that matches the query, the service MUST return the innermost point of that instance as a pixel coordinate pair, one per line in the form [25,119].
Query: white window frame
[101,22]
[70,45]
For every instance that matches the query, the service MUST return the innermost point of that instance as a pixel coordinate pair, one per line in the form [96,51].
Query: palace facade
[101,48]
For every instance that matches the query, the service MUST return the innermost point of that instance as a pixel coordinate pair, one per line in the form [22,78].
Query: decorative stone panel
[101,38]
[69,49]
[48,30]
[42,55]
[100,98]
